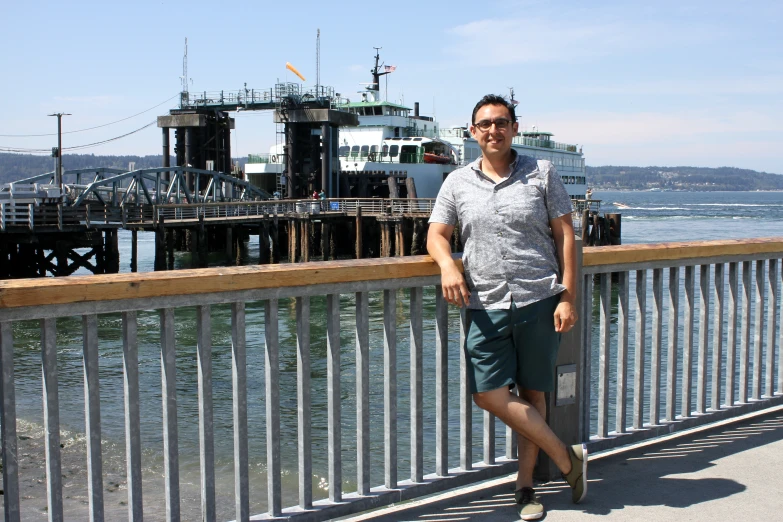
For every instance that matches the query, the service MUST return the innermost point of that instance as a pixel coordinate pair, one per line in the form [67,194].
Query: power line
[75,147]
[89,128]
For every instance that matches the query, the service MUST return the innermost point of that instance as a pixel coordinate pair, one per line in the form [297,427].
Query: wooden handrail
[77,289]
[648,252]
[74,289]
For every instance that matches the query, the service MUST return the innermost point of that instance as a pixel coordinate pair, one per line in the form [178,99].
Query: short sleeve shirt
[509,251]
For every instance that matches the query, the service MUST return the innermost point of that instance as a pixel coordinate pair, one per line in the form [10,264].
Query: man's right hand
[455,291]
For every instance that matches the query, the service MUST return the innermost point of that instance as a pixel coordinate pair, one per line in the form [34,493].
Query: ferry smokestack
[416,109]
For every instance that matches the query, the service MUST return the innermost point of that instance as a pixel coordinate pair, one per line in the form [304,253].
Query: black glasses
[485,125]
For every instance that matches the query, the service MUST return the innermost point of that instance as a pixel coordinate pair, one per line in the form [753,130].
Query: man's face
[493,129]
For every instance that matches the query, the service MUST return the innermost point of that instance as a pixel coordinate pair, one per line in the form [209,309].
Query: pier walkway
[723,472]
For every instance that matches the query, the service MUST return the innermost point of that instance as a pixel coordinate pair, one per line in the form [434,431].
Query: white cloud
[569,38]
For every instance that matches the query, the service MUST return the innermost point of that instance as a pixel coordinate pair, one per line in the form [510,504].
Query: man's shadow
[646,476]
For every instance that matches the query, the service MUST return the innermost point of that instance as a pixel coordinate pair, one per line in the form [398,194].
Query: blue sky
[653,83]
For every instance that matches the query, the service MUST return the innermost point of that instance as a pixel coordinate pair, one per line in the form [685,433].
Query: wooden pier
[40,240]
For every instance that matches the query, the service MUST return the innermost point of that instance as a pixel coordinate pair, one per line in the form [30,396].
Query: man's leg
[525,419]
[527,451]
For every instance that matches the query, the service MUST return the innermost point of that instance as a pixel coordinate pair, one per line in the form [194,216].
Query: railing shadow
[667,474]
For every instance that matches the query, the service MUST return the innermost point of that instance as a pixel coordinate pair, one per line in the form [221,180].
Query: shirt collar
[516,162]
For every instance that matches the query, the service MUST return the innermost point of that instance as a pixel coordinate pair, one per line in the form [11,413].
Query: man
[519,286]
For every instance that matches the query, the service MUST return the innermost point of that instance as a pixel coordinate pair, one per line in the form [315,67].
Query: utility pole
[58,176]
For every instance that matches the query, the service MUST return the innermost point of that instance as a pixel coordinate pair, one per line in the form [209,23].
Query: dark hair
[494,99]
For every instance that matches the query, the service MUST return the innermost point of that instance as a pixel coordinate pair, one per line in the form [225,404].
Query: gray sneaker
[528,506]
[577,477]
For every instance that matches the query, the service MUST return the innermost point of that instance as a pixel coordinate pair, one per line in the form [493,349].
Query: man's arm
[455,290]
[563,233]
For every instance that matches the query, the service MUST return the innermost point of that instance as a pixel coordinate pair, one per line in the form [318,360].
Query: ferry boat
[395,140]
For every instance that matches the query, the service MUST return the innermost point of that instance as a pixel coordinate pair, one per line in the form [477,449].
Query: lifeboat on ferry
[431,157]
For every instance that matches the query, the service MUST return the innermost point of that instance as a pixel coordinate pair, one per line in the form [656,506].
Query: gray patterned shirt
[509,251]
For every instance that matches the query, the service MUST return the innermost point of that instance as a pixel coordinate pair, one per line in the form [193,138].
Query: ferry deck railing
[746,383]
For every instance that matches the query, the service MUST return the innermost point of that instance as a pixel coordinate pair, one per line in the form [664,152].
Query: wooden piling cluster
[598,230]
[294,237]
[25,254]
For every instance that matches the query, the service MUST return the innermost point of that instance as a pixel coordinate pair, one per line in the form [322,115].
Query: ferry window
[395,149]
[365,150]
[385,151]
[378,110]
[374,148]
[355,151]
[408,154]
[344,151]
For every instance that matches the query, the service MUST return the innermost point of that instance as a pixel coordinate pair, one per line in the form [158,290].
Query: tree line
[681,178]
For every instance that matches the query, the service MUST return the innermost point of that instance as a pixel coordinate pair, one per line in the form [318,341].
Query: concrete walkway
[732,471]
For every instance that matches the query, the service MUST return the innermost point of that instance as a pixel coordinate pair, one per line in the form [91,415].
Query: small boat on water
[431,157]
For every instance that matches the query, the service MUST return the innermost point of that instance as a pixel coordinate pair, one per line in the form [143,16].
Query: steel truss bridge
[155,186]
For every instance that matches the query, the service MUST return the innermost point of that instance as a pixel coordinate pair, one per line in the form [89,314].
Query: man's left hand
[565,316]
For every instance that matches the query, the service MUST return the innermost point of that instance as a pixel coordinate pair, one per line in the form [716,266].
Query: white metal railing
[731,371]
[369,206]
[270,287]
[677,337]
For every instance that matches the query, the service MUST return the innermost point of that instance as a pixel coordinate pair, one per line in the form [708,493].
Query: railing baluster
[772,308]
[758,330]
[622,351]
[586,377]
[390,387]
[657,343]
[417,378]
[206,428]
[511,437]
[303,394]
[704,327]
[92,417]
[640,326]
[489,438]
[745,341]
[687,342]
[362,393]
[168,362]
[335,471]
[441,384]
[717,338]
[8,424]
[465,400]
[603,355]
[731,340]
[130,367]
[239,401]
[671,354]
[780,338]
[272,389]
[51,411]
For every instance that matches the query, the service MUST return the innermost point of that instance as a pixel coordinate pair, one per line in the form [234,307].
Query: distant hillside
[681,178]
[20,166]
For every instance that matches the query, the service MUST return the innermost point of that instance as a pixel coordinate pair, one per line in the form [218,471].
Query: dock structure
[596,400]
[41,239]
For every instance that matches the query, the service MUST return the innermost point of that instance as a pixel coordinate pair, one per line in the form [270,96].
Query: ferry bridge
[671,337]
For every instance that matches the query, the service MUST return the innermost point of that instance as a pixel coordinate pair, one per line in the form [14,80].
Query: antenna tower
[184,97]
[318,63]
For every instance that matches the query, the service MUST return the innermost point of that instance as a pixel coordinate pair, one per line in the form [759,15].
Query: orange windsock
[293,70]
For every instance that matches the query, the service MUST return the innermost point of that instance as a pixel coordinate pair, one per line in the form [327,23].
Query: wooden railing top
[79,289]
[649,252]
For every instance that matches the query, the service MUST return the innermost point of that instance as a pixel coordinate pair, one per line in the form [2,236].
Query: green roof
[374,104]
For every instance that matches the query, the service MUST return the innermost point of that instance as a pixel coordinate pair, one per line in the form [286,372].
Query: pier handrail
[731,356]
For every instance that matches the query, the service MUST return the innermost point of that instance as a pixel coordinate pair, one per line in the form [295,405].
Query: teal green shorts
[515,346]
